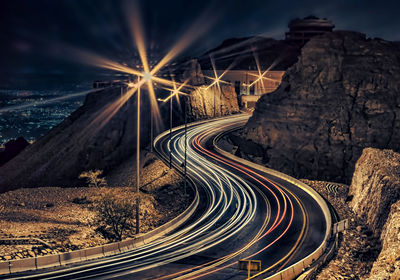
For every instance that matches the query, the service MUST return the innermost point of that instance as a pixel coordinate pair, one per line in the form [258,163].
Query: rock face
[387,266]
[376,198]
[375,186]
[341,96]
[209,102]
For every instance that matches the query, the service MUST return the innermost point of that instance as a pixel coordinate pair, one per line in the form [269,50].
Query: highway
[243,214]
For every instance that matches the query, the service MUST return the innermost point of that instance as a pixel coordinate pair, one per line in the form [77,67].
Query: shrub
[115,216]
[93,179]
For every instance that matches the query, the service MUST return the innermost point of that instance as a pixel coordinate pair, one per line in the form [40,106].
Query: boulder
[375,186]
[387,266]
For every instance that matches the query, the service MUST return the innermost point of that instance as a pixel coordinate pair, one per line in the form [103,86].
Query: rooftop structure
[302,30]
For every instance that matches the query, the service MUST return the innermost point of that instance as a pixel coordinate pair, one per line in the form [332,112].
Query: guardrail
[92,253]
[296,269]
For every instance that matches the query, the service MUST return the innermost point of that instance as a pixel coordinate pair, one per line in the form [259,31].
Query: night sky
[32,31]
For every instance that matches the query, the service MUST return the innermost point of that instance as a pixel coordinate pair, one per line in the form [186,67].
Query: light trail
[236,200]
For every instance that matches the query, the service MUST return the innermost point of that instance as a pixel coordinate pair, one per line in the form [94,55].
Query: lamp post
[151,132]
[185,166]
[137,160]
[215,90]
[170,132]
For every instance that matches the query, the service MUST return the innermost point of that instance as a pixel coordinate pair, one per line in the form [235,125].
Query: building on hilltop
[302,30]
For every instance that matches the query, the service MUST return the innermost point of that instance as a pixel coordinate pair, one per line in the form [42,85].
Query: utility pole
[137,160]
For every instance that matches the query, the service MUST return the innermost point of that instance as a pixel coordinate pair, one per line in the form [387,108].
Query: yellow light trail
[217,262]
[207,266]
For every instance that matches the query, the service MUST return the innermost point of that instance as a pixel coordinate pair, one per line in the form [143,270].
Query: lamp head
[147,76]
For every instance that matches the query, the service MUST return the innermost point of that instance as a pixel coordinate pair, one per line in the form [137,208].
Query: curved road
[243,214]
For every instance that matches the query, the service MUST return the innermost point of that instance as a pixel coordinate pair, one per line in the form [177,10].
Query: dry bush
[93,179]
[115,216]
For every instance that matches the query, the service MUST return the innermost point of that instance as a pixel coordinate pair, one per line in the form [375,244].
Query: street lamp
[137,161]
[131,85]
[185,166]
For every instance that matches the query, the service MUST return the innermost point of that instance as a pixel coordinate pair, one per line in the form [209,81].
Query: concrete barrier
[71,257]
[93,253]
[111,249]
[4,267]
[48,261]
[298,269]
[126,245]
[22,265]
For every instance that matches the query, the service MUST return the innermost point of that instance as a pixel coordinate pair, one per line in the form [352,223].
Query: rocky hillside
[340,97]
[84,141]
[375,191]
[79,143]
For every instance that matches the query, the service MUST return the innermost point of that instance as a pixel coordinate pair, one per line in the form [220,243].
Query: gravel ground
[50,214]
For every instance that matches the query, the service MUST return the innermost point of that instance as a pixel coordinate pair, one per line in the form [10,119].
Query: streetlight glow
[147,76]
